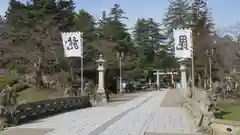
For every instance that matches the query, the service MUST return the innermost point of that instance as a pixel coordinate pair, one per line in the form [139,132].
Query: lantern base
[101,98]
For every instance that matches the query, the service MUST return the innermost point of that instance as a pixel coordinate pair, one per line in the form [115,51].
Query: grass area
[24,91]
[230,110]
[30,95]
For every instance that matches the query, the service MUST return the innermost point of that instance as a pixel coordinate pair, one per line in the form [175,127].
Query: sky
[225,12]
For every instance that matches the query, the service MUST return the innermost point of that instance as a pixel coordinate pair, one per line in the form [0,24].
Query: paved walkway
[151,114]
[118,99]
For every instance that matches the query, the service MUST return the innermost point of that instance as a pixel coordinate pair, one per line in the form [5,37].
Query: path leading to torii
[153,113]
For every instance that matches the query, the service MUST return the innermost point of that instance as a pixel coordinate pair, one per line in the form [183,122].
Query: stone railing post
[184,86]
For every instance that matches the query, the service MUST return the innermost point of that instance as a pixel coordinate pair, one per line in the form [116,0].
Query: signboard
[72,44]
[183,43]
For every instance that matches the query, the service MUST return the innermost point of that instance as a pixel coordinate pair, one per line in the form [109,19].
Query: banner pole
[82,91]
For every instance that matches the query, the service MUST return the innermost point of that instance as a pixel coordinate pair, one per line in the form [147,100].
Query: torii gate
[158,73]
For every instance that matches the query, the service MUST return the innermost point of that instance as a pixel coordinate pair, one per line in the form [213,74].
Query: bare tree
[232,31]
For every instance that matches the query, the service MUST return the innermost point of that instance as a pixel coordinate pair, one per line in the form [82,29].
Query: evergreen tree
[189,14]
[140,34]
[177,16]
[202,24]
[66,14]
[113,29]
[202,27]
[101,23]
[114,37]
[17,16]
[85,23]
[149,40]
[38,28]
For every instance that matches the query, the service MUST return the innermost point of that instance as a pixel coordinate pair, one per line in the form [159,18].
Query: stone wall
[199,108]
[225,127]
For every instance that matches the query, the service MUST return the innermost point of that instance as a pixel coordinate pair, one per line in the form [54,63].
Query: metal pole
[82,77]
[158,80]
[120,76]
[145,76]
[210,72]
[205,77]
[82,91]
[193,77]
[172,76]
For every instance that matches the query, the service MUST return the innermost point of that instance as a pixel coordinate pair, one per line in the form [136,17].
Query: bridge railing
[34,110]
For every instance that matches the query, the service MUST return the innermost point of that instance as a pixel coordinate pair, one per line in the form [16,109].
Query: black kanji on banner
[72,43]
[182,43]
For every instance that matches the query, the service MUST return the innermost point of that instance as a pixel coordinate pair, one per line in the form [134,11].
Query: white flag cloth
[183,43]
[72,44]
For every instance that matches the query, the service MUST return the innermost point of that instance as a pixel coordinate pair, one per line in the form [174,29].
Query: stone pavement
[170,117]
[152,113]
[118,99]
[133,123]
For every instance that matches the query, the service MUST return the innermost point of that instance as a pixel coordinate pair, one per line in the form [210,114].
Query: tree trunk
[71,72]
[39,81]
[39,64]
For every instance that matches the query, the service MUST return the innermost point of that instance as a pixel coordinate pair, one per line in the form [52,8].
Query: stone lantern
[101,89]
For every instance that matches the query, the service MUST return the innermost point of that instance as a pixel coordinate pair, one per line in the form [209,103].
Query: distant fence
[32,111]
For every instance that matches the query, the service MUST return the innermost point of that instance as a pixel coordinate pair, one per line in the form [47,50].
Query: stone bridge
[150,113]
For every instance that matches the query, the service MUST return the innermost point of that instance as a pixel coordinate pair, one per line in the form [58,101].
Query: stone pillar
[184,86]
[150,83]
[172,78]
[158,80]
[157,73]
[101,90]
[101,80]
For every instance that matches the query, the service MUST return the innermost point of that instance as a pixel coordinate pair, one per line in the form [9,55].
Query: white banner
[183,43]
[72,44]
